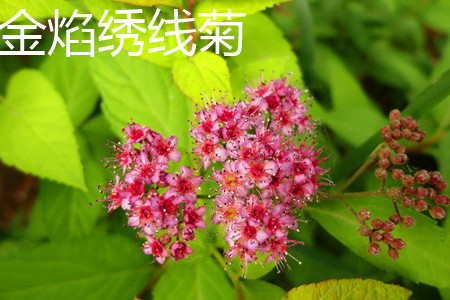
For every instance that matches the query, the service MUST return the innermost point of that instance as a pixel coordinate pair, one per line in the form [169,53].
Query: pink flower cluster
[265,167]
[168,219]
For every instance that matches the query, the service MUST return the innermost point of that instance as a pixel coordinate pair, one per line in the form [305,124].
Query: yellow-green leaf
[353,289]
[37,135]
[172,3]
[205,72]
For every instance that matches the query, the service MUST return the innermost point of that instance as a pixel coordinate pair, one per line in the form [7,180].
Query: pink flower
[183,185]
[155,247]
[267,172]
[179,250]
[138,190]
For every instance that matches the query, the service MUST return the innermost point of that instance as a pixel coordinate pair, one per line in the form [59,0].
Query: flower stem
[357,194]
[361,169]
[233,277]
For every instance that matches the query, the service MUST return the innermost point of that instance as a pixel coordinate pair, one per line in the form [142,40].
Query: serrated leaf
[259,289]
[61,211]
[172,3]
[98,7]
[72,79]
[36,9]
[204,73]
[418,261]
[248,7]
[135,89]
[199,281]
[355,289]
[96,267]
[37,135]
[265,54]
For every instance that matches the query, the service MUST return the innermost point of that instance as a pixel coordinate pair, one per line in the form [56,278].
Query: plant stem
[361,169]
[154,279]
[233,277]
[357,194]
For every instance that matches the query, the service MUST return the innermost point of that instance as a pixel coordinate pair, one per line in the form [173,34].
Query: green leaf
[172,3]
[36,9]
[349,103]
[204,73]
[37,135]
[248,7]
[98,267]
[135,89]
[98,7]
[318,265]
[62,211]
[426,100]
[395,68]
[418,261]
[436,16]
[355,289]
[265,50]
[199,281]
[72,79]
[259,289]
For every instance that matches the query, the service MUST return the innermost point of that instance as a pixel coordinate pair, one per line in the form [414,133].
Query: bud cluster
[266,168]
[168,219]
[418,190]
[380,231]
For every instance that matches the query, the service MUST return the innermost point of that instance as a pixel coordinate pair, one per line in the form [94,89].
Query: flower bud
[394,114]
[364,230]
[422,176]
[385,153]
[435,177]
[374,249]
[395,192]
[437,212]
[395,219]
[407,202]
[364,214]
[387,238]
[377,224]
[385,130]
[395,124]
[441,185]
[393,253]
[408,221]
[411,125]
[442,200]
[400,149]
[384,163]
[397,174]
[406,133]
[420,205]
[408,180]
[421,192]
[393,144]
[396,134]
[398,244]
[380,173]
[376,236]
[388,226]
[399,159]
[410,191]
